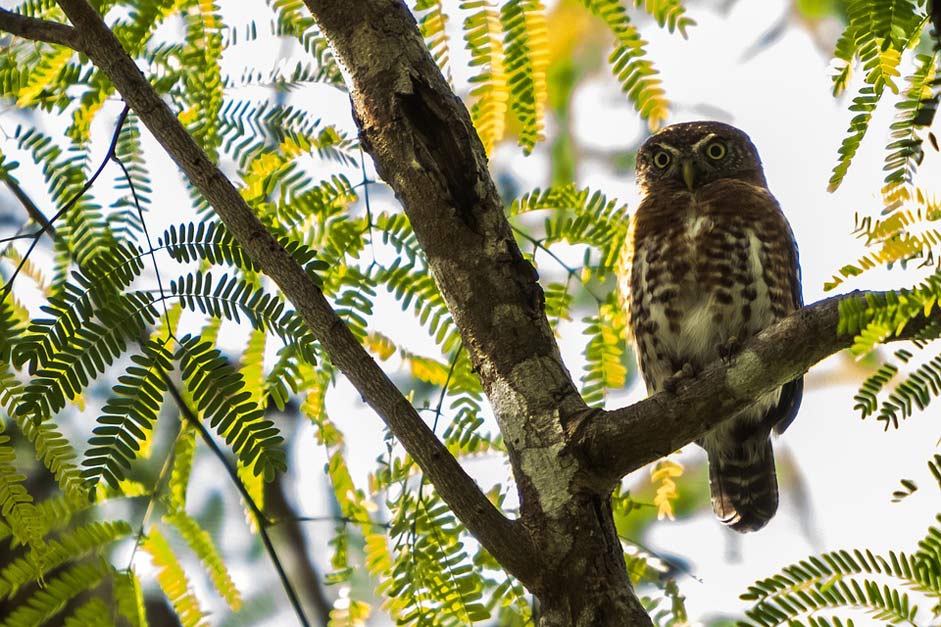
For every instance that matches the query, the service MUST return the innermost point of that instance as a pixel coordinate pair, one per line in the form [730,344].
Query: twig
[35,213]
[150,245]
[40,30]
[346,520]
[260,517]
[151,504]
[68,205]
[569,270]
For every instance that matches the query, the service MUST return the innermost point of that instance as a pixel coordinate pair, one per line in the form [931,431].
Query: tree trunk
[586,584]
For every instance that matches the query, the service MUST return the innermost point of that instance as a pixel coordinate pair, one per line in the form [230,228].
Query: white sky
[781,97]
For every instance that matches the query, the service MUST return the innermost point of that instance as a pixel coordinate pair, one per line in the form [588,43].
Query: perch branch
[620,441]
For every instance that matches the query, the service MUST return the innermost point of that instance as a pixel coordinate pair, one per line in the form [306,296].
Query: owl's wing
[779,257]
[783,414]
[795,276]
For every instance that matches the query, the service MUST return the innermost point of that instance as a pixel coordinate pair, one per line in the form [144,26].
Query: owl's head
[692,154]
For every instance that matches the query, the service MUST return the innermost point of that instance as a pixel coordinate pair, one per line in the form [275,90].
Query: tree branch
[39,30]
[618,442]
[34,212]
[502,537]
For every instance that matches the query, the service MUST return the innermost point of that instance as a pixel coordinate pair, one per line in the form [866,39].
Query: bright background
[763,66]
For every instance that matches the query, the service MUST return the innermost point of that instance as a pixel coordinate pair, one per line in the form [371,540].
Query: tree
[485,306]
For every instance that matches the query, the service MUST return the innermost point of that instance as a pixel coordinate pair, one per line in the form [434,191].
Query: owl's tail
[743,483]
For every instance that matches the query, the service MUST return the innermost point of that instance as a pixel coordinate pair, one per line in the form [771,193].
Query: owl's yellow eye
[662,159]
[715,150]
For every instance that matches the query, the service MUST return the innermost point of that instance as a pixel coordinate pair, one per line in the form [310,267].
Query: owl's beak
[689,173]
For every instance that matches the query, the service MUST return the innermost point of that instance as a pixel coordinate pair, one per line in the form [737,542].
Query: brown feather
[712,264]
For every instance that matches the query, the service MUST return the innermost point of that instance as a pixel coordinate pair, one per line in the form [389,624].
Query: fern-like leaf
[294,20]
[916,391]
[219,394]
[432,23]
[863,104]
[669,13]
[58,456]
[629,62]
[527,58]
[207,241]
[604,353]
[431,564]
[904,152]
[200,542]
[231,298]
[16,504]
[482,32]
[90,347]
[202,56]
[841,579]
[129,598]
[903,236]
[128,416]
[46,602]
[173,580]
[877,33]
[94,612]
[71,546]
[866,398]
[580,216]
[247,130]
[885,315]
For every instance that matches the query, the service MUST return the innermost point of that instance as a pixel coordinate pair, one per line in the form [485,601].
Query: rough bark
[565,456]
[38,30]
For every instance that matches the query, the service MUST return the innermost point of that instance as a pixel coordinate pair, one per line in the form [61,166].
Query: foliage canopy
[145,312]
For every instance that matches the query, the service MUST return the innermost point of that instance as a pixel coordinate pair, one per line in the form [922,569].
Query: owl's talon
[683,374]
[728,349]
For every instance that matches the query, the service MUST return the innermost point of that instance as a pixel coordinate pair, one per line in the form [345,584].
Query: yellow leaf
[43,77]
[663,472]
[380,345]
[428,370]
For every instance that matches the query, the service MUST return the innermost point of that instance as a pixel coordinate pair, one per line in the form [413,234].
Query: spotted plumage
[713,262]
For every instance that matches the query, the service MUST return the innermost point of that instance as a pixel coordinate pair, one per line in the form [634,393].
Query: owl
[713,262]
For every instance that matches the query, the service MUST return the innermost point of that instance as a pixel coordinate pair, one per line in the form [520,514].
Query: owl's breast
[697,280]
[698,226]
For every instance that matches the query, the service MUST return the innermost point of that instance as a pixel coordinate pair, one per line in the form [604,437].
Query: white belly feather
[705,324]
